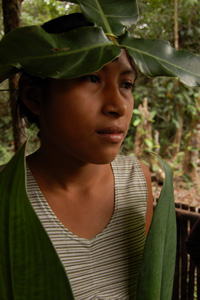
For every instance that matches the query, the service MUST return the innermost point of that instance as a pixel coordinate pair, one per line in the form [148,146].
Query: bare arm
[149,212]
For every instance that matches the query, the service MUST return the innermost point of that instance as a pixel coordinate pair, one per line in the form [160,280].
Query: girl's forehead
[122,63]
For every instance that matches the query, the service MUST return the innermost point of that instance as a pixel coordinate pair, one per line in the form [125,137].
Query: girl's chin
[104,159]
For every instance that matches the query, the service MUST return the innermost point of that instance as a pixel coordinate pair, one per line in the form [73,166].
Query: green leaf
[191,149]
[64,55]
[114,16]
[30,267]
[136,122]
[153,114]
[157,270]
[136,111]
[176,123]
[158,58]
[155,168]
[7,71]
[149,143]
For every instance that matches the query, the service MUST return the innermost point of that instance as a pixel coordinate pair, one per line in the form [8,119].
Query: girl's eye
[128,85]
[93,78]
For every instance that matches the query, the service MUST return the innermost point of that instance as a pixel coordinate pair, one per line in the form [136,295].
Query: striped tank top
[105,266]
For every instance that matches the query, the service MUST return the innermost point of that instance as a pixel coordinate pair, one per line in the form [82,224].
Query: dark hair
[66,23]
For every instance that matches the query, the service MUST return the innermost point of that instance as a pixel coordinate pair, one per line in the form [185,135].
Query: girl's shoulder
[128,168]
[127,162]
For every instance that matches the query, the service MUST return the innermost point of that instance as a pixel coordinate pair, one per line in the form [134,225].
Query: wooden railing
[187,275]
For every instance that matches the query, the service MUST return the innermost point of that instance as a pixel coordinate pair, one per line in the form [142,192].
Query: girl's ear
[31,96]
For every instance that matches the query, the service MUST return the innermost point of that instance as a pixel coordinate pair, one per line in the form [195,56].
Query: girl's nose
[114,103]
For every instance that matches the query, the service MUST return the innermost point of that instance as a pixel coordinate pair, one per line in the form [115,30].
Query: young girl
[94,204]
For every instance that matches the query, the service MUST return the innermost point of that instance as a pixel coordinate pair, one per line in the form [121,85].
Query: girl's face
[87,118]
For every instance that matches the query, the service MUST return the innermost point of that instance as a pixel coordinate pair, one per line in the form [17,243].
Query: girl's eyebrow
[130,72]
[127,72]
[132,69]
[129,69]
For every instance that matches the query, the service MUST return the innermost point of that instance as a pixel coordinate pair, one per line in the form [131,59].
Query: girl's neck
[65,173]
[80,195]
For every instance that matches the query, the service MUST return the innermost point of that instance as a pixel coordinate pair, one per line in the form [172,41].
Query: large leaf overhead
[64,55]
[86,50]
[157,270]
[114,16]
[158,58]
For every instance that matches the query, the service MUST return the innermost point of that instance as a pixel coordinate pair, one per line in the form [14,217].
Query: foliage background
[174,108]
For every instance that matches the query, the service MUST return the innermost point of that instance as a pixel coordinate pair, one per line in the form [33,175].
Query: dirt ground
[184,194]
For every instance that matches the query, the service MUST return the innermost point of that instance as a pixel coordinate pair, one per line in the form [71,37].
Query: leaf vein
[161,60]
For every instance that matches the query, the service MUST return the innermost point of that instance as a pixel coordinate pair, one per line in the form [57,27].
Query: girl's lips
[111,135]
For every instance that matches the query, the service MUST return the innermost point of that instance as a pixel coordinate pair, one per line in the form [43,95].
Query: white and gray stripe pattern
[105,266]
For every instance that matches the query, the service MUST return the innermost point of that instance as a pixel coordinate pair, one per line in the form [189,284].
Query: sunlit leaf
[149,143]
[136,122]
[153,113]
[30,267]
[155,168]
[158,58]
[158,263]
[64,55]
[136,111]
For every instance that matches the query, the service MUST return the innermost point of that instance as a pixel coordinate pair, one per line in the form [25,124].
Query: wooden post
[11,16]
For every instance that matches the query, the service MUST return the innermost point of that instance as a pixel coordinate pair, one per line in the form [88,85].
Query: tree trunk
[156,141]
[178,134]
[176,37]
[192,150]
[11,16]
[143,137]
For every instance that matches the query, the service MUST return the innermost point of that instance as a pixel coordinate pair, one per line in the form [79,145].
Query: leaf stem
[107,26]
[113,38]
